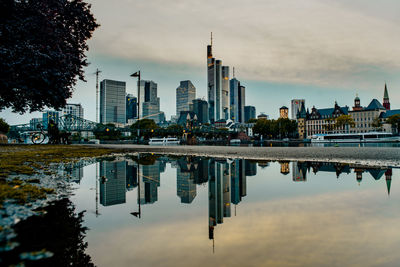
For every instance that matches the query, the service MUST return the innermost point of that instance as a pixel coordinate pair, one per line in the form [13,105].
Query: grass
[31,159]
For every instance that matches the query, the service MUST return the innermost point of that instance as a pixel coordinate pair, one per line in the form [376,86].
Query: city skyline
[358,59]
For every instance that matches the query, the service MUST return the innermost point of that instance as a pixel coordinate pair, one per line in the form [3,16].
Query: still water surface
[189,211]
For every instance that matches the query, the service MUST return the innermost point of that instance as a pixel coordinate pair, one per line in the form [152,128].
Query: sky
[318,50]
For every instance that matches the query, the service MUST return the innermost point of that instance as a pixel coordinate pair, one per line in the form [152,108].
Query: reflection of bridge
[68,123]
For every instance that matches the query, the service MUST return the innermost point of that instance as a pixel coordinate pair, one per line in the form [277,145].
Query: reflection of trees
[59,231]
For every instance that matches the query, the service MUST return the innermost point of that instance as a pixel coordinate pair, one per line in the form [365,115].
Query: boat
[235,141]
[370,137]
[164,141]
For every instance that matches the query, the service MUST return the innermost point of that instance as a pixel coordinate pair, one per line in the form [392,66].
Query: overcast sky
[319,50]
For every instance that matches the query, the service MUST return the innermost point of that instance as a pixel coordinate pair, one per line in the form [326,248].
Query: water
[195,211]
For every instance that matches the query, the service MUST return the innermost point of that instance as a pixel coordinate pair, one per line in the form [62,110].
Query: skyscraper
[112,101]
[200,107]
[185,94]
[225,98]
[284,113]
[217,87]
[296,105]
[249,113]
[237,96]
[149,104]
[131,107]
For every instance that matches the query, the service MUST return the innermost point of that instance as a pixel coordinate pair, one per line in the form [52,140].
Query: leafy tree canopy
[4,127]
[42,51]
[144,124]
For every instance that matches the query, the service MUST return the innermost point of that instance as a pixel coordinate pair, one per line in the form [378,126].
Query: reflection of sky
[323,221]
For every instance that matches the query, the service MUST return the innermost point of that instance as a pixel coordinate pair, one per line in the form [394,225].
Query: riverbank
[368,156]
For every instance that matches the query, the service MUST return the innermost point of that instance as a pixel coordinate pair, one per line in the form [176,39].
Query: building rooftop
[329,111]
[389,113]
[374,105]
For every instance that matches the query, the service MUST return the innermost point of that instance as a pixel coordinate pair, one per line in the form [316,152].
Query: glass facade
[112,101]
[185,94]
[149,104]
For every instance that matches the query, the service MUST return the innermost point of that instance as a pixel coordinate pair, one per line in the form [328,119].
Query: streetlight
[137,74]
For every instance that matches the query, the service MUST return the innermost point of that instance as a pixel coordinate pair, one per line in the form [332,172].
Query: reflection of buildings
[112,189]
[299,172]
[285,167]
[250,168]
[149,182]
[185,184]
[131,175]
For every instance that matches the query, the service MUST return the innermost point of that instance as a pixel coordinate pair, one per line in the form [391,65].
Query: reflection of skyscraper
[131,175]
[250,168]
[201,172]
[112,102]
[185,186]
[299,172]
[149,181]
[388,176]
[112,190]
[238,181]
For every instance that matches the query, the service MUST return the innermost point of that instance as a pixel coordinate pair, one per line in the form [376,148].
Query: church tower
[386,102]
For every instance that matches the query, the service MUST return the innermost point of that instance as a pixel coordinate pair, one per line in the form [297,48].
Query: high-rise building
[149,104]
[249,113]
[217,87]
[75,110]
[237,98]
[185,94]
[112,190]
[50,115]
[296,105]
[149,181]
[185,184]
[225,93]
[35,123]
[112,101]
[284,113]
[131,107]
[386,102]
[200,108]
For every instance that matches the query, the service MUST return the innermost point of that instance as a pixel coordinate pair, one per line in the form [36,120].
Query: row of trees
[345,121]
[280,128]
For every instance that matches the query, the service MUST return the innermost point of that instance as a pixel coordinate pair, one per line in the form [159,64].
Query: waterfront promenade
[370,156]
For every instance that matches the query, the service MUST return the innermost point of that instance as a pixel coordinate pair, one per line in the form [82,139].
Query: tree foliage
[394,120]
[42,51]
[4,127]
[344,120]
[281,128]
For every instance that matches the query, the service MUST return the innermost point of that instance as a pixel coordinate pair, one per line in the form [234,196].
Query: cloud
[319,42]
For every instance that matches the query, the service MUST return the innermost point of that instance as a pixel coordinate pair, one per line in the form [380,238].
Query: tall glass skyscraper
[200,107]
[249,113]
[217,88]
[131,107]
[149,104]
[185,94]
[112,101]
[237,97]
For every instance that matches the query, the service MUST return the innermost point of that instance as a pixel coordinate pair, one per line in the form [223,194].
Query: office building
[296,105]
[112,102]
[50,115]
[75,110]
[185,94]
[284,113]
[35,123]
[225,93]
[200,108]
[149,104]
[249,113]
[237,98]
[217,87]
[131,107]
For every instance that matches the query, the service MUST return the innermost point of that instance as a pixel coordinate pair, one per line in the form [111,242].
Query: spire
[233,72]
[388,183]
[386,95]
[211,39]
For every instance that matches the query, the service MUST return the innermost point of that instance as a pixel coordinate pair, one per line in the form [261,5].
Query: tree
[4,127]
[394,120]
[344,121]
[42,51]
[330,124]
[377,124]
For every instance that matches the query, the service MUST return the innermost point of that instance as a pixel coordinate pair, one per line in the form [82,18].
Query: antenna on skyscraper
[233,72]
[211,38]
[97,94]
